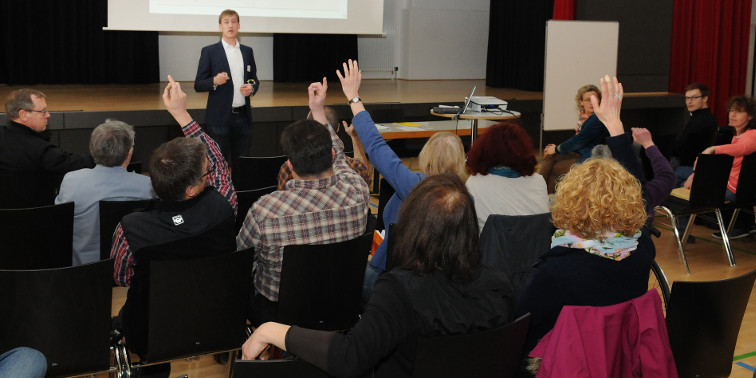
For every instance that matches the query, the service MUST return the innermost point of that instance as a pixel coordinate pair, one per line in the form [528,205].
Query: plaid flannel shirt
[321,211]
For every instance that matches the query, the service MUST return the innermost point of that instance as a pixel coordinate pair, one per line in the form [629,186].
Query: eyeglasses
[43,111]
[209,171]
[693,98]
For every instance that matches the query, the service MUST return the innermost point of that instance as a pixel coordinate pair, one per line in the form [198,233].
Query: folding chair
[703,320]
[707,194]
[493,353]
[195,307]
[111,213]
[745,195]
[63,312]
[257,172]
[37,237]
[321,285]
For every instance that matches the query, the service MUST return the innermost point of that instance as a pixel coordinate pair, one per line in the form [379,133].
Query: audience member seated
[111,145]
[439,288]
[326,202]
[358,163]
[194,216]
[742,110]
[601,254]
[578,148]
[698,132]
[23,362]
[443,153]
[31,168]
[502,165]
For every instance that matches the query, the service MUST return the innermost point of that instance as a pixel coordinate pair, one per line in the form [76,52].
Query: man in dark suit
[227,70]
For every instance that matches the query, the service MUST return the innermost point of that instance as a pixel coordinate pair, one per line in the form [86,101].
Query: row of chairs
[707,195]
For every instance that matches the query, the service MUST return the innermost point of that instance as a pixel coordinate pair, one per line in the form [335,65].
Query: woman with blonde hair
[600,254]
[590,132]
[443,153]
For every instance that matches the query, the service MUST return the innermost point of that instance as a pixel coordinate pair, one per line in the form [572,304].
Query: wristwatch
[354,100]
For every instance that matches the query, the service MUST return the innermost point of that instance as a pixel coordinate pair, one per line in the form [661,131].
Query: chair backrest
[492,353]
[703,321]
[111,213]
[513,243]
[746,190]
[198,306]
[64,313]
[384,195]
[245,199]
[321,285]
[37,237]
[135,166]
[710,182]
[390,243]
[286,368]
[257,172]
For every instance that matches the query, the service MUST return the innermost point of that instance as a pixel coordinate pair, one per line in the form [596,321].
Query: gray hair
[20,99]
[110,142]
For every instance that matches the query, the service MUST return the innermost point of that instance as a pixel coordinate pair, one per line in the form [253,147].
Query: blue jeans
[23,362]
[682,173]
[233,138]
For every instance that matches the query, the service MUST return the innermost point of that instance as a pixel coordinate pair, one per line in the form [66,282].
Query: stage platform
[76,109]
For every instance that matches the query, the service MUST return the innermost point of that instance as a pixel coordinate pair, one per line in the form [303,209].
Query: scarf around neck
[615,246]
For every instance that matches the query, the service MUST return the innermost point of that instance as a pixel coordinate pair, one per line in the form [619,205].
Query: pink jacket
[628,339]
[745,145]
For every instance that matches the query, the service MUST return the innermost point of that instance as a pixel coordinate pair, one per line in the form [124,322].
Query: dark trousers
[233,138]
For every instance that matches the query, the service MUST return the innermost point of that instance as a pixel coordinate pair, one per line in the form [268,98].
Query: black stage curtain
[516,42]
[62,42]
[308,57]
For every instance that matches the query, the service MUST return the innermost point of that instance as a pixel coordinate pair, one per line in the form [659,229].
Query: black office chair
[493,353]
[63,312]
[196,307]
[706,195]
[703,322]
[36,238]
[321,285]
[257,172]
[111,213]
[512,244]
[745,196]
[245,199]
[384,195]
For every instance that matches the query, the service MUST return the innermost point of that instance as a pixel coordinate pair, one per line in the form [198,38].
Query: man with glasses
[698,132]
[194,216]
[31,167]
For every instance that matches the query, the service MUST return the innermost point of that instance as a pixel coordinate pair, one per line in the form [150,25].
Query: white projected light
[363,17]
[335,9]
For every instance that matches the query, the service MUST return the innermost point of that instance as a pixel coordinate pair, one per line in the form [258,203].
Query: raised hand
[642,136]
[317,95]
[174,100]
[350,81]
[608,111]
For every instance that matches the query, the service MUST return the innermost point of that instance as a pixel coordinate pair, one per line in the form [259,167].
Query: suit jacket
[212,62]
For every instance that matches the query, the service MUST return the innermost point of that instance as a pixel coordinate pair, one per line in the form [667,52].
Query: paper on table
[381,127]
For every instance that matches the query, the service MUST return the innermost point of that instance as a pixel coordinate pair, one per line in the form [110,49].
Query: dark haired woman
[439,288]
[503,179]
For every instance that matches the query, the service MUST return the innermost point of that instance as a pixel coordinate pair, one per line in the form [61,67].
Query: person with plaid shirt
[326,202]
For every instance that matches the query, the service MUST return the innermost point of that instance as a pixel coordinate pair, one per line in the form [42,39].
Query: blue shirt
[86,188]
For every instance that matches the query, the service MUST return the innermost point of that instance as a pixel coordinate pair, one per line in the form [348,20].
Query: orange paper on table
[377,240]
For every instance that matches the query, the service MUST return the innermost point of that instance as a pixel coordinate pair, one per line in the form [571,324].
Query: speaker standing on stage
[227,70]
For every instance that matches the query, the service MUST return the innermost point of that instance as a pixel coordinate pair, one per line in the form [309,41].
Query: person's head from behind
[583,97]
[438,228]
[443,153]
[112,143]
[308,146]
[696,97]
[27,107]
[331,116]
[741,112]
[179,169]
[596,197]
[504,145]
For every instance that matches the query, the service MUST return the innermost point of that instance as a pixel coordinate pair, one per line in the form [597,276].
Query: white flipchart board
[577,53]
